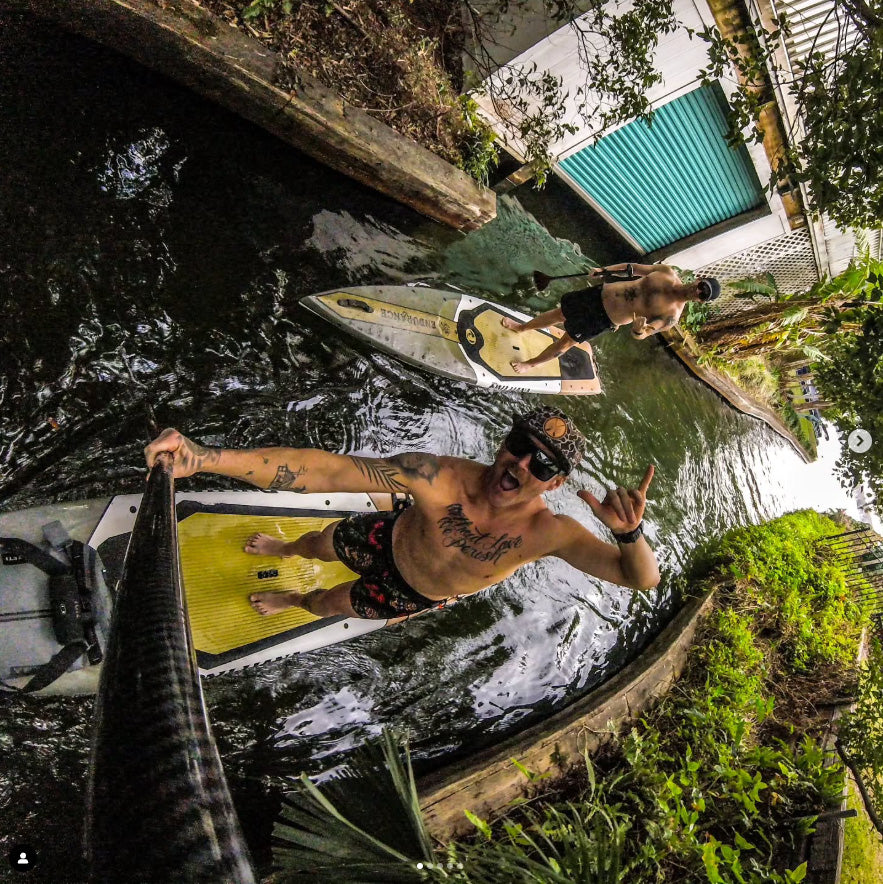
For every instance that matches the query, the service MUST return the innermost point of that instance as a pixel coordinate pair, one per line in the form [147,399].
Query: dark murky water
[152,251]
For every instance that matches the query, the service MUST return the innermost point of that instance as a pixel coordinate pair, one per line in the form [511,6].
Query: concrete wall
[488,781]
[185,42]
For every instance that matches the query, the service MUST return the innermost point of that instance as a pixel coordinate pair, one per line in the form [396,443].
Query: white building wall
[679,59]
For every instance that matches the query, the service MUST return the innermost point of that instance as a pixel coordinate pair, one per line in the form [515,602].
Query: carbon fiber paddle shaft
[158,806]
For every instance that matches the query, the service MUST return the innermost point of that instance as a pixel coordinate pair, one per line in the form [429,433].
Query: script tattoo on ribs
[461,533]
[285,479]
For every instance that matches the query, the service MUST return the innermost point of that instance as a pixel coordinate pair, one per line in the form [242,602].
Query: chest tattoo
[461,533]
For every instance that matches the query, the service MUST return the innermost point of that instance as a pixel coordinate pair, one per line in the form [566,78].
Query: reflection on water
[153,251]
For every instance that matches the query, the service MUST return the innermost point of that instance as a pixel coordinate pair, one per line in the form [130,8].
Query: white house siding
[815,27]
[679,60]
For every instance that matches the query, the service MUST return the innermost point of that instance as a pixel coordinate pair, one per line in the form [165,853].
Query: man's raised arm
[642,328]
[631,562]
[632,268]
[295,469]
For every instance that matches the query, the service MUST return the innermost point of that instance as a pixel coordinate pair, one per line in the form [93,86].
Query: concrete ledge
[183,41]
[488,782]
[729,392]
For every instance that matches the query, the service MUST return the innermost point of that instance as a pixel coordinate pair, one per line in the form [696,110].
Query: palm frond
[365,825]
[763,285]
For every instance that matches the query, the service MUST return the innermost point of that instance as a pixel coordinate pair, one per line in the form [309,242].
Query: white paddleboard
[456,335]
[218,578]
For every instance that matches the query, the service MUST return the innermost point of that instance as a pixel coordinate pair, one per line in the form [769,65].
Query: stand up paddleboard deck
[218,578]
[457,336]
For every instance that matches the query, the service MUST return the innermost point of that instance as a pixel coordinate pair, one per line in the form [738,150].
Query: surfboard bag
[71,587]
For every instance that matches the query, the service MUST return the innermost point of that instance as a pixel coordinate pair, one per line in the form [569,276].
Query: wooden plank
[184,41]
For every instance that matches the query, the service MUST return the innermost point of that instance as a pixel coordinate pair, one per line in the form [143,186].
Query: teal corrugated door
[666,181]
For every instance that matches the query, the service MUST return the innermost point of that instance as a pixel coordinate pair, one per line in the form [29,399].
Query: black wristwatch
[630,536]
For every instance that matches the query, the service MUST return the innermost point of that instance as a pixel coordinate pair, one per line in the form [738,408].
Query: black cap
[709,288]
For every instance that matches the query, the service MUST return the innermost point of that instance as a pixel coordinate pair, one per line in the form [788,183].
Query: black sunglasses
[541,465]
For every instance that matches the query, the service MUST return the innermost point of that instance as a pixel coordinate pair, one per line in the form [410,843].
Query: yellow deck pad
[219,577]
[500,342]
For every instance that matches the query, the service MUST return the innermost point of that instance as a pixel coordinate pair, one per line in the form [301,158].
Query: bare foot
[270,602]
[520,367]
[264,545]
[513,324]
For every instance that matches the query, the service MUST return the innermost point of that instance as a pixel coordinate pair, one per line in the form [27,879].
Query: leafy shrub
[477,143]
[861,731]
[702,789]
[695,316]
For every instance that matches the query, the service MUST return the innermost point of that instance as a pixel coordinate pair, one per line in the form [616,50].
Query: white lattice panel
[789,258]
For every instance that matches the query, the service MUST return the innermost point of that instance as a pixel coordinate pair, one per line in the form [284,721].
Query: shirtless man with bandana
[470,525]
[651,300]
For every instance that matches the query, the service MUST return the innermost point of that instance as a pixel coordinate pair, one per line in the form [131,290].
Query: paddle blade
[540,280]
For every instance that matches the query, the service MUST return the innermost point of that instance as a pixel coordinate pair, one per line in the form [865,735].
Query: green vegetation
[403,60]
[837,326]
[862,847]
[478,147]
[861,731]
[695,316]
[754,376]
[801,427]
[852,380]
[722,780]
[399,60]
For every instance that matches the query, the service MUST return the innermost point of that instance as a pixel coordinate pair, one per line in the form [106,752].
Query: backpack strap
[19,552]
[70,590]
[49,672]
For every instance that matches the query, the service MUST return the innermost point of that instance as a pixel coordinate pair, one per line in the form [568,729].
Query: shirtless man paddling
[471,525]
[651,303]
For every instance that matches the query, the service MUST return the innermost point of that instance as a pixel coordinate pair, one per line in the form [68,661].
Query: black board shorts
[363,542]
[584,314]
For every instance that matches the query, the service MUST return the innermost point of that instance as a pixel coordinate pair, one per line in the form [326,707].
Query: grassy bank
[722,780]
[862,847]
[760,381]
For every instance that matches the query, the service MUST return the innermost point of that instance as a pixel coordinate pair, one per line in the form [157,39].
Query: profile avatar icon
[21,858]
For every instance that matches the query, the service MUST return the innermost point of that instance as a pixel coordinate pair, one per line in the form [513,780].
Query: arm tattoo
[417,466]
[285,479]
[461,533]
[200,456]
[379,472]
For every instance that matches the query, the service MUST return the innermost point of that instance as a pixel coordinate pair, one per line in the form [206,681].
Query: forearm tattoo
[285,479]
[198,456]
[461,533]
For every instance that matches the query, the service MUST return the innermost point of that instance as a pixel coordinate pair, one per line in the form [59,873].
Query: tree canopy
[836,145]
[851,378]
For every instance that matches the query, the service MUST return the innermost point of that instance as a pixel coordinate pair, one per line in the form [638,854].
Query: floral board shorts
[363,543]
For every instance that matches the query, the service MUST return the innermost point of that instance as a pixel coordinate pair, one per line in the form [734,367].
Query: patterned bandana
[557,432]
